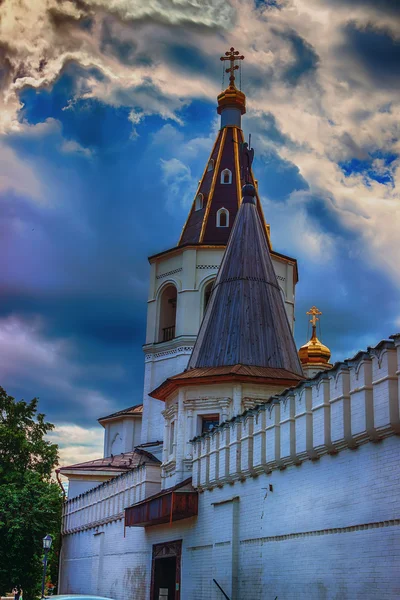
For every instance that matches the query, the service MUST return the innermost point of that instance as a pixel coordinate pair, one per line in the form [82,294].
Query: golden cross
[232,55]
[314,312]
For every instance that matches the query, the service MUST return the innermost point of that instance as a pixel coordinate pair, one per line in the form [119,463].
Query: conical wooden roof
[245,322]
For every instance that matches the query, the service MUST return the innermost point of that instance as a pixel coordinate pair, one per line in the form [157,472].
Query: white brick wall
[328,530]
[280,524]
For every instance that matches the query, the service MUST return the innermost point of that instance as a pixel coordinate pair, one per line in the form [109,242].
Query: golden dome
[232,98]
[314,352]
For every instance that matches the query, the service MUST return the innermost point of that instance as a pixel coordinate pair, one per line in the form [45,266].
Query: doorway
[166,571]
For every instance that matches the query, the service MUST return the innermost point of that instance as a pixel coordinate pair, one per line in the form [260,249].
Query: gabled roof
[246,322]
[201,225]
[132,411]
[118,463]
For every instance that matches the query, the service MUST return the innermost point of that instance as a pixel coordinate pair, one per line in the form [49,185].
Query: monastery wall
[355,402]
[298,499]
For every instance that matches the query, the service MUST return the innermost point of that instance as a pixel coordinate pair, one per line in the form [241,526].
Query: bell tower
[181,278]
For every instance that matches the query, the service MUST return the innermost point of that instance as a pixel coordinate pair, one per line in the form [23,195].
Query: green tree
[30,501]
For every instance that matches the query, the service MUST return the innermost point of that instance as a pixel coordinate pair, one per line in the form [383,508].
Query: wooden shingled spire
[245,322]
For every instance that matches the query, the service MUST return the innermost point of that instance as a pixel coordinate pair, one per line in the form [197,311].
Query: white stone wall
[355,402]
[106,502]
[182,420]
[304,503]
[122,435]
[80,486]
[329,529]
[189,269]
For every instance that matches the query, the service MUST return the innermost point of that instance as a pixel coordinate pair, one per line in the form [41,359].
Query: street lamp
[46,547]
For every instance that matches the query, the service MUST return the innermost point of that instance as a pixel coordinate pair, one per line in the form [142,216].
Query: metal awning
[170,505]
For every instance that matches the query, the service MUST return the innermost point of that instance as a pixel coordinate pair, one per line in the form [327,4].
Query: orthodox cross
[313,312]
[232,55]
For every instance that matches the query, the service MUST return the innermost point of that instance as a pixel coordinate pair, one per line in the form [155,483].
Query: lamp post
[46,547]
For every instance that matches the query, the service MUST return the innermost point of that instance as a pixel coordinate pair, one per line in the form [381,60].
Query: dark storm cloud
[305,58]
[377,52]
[111,43]
[384,6]
[280,178]
[322,210]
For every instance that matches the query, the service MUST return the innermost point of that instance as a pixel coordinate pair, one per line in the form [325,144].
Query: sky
[107,117]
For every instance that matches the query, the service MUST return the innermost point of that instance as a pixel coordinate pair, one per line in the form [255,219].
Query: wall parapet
[106,502]
[356,402]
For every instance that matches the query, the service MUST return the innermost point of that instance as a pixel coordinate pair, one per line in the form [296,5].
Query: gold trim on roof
[197,191]
[237,164]
[214,179]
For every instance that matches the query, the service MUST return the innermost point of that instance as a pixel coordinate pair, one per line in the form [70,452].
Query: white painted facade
[122,434]
[298,498]
[189,270]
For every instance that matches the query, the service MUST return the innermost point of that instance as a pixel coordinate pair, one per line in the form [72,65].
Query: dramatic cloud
[77,444]
[30,359]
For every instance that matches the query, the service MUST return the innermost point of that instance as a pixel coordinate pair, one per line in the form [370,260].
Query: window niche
[226,176]
[171,438]
[199,202]
[207,295]
[223,218]
[210,166]
[208,422]
[168,301]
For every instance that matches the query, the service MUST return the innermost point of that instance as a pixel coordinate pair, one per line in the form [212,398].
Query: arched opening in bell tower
[207,294]
[168,301]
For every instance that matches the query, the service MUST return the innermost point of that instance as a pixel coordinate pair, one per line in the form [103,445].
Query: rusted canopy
[173,504]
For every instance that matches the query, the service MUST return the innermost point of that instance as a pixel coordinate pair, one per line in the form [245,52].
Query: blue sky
[107,119]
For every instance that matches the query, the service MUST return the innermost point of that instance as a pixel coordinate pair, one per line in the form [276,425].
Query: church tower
[181,279]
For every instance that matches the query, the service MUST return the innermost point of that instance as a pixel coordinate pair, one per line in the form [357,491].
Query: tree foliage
[30,502]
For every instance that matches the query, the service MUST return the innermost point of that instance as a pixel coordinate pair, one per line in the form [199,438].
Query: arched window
[198,205]
[207,294]
[226,176]
[223,218]
[210,165]
[167,314]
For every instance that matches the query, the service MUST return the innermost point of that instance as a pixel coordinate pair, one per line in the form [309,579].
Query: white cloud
[77,444]
[180,184]
[335,113]
[18,176]
[72,147]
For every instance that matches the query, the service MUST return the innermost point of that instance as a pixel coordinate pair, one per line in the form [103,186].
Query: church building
[251,470]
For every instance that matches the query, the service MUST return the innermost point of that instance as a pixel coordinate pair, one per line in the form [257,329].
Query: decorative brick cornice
[162,275]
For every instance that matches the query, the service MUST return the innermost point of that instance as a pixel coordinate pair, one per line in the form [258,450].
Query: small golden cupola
[231,102]
[314,356]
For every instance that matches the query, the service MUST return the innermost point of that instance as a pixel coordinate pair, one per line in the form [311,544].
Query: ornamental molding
[207,267]
[169,273]
[165,353]
[248,402]
[207,403]
[170,412]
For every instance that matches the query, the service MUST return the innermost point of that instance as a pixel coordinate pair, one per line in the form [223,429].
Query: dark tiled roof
[201,225]
[132,410]
[117,463]
[246,322]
